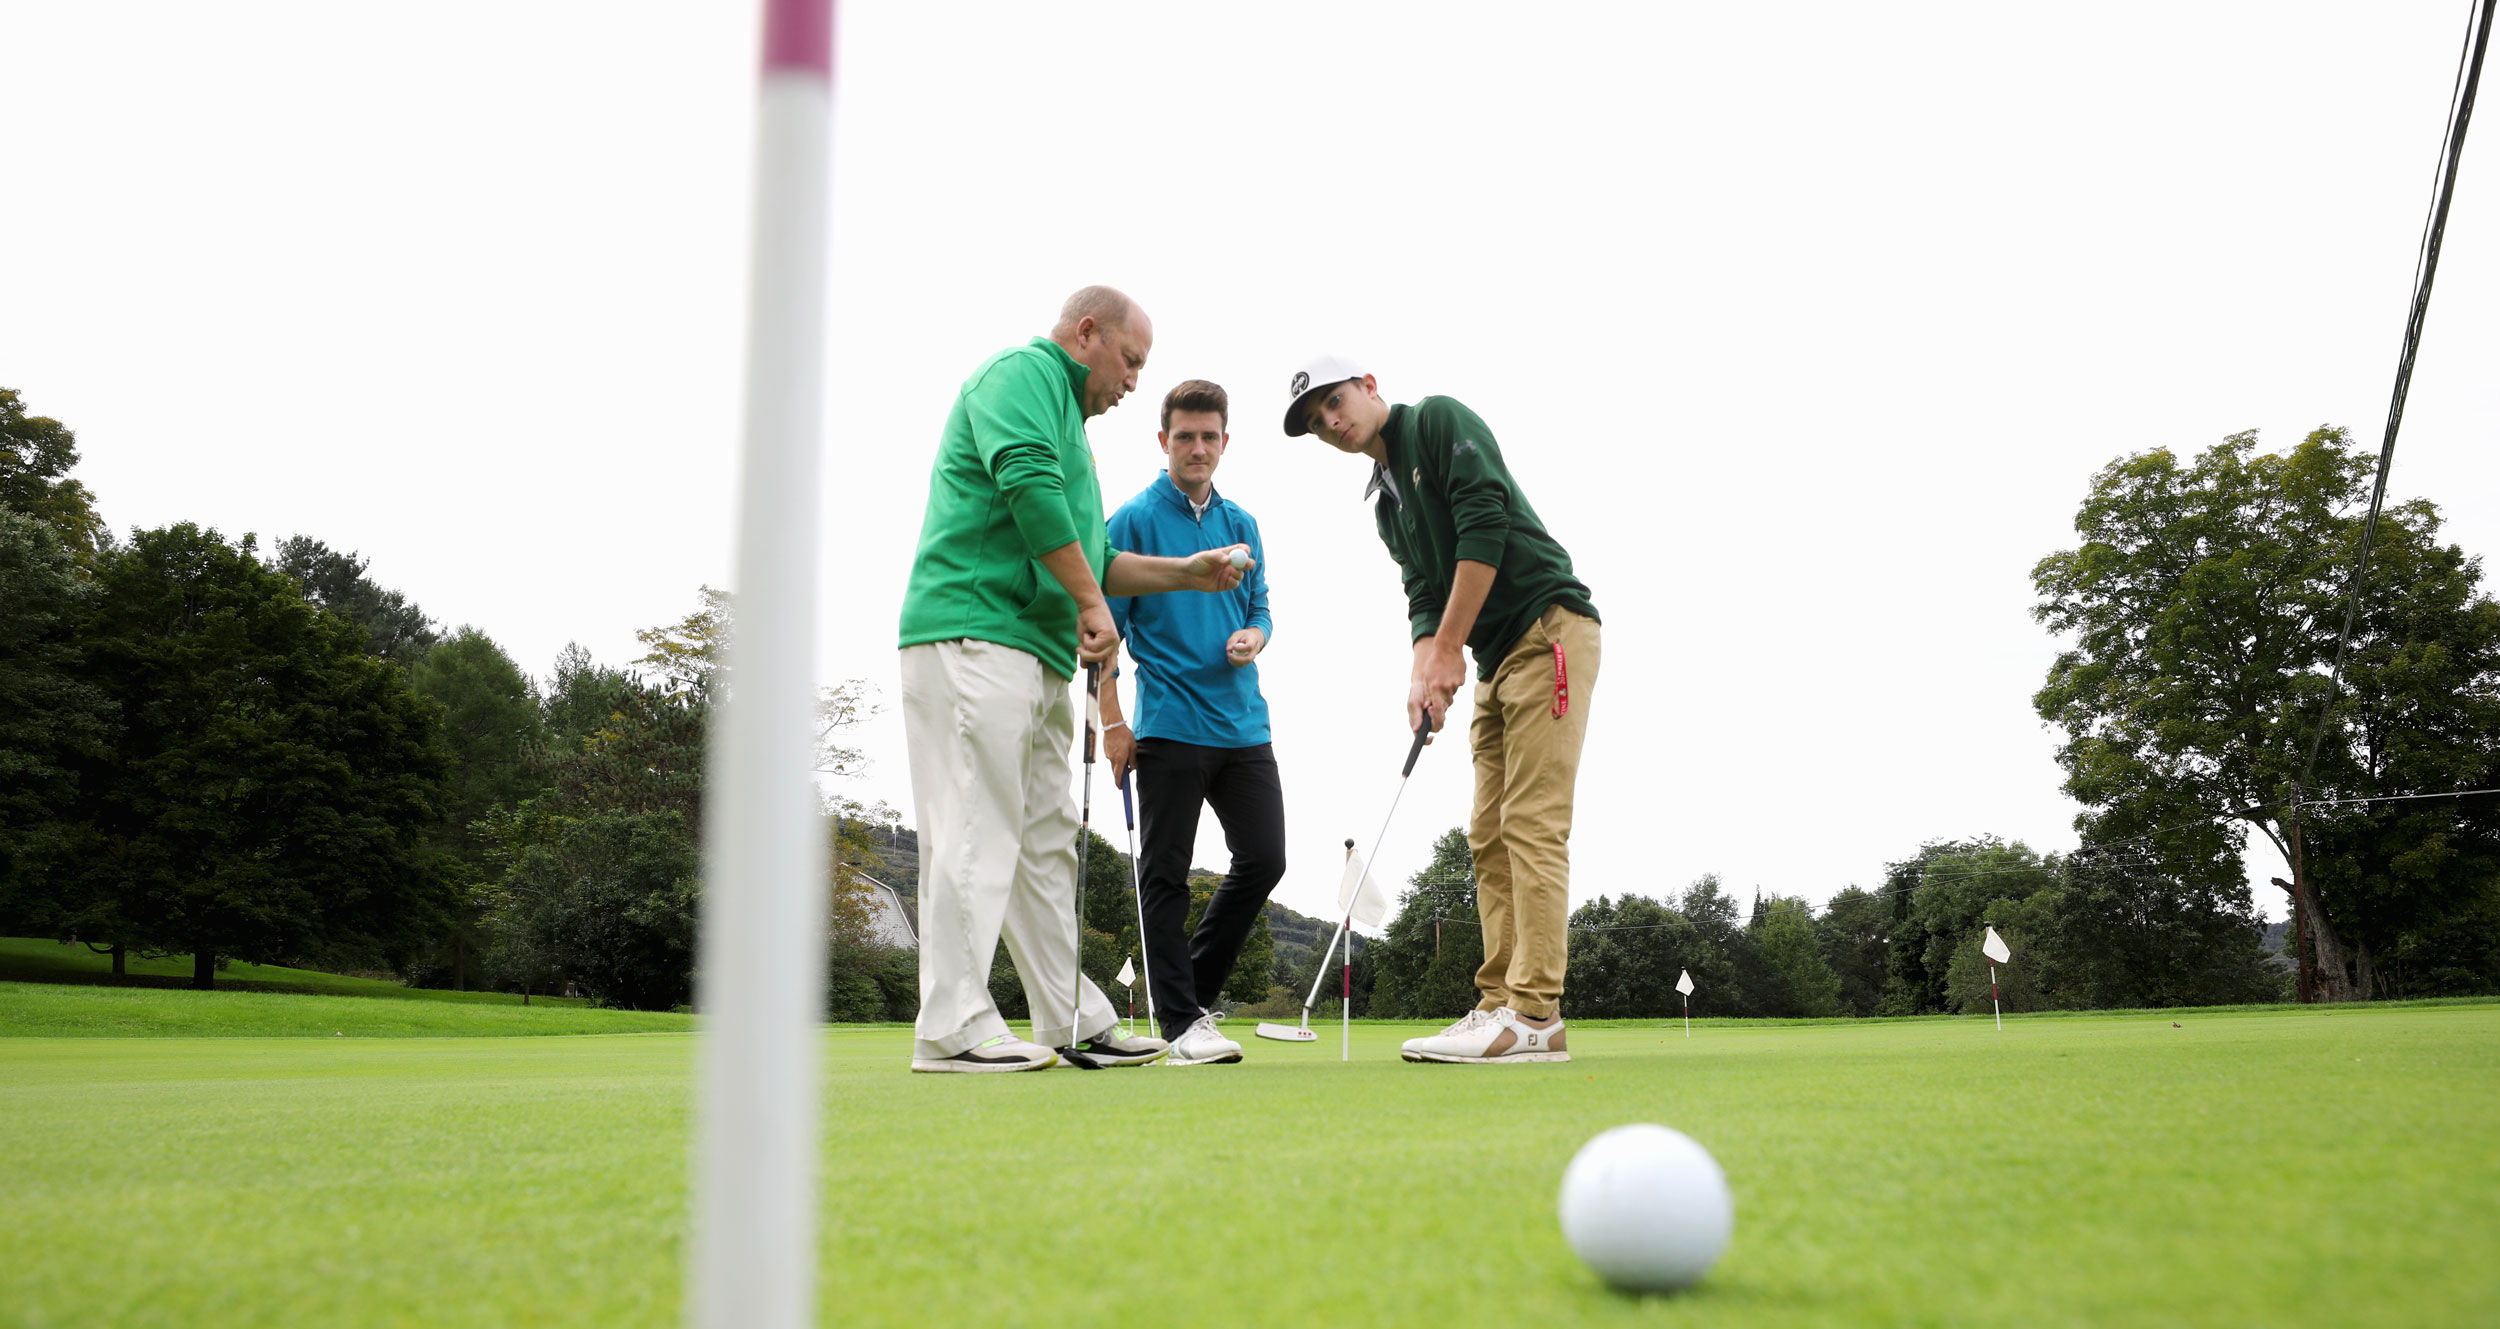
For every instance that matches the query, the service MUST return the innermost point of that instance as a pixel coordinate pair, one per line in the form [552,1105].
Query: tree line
[213,751]
[210,750]
[2201,612]
[2086,934]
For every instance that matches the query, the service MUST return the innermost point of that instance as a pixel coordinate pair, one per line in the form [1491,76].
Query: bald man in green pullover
[1006,598]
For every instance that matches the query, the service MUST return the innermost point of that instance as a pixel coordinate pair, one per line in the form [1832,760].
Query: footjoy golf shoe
[1113,1048]
[1501,1036]
[1201,1045]
[1003,1053]
[1458,1028]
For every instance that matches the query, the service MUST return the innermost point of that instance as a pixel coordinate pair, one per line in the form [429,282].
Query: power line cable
[2425,269]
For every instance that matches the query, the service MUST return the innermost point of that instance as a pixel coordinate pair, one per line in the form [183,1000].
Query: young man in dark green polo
[1481,572]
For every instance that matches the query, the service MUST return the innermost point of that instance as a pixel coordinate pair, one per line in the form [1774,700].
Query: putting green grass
[35,960]
[2309,1167]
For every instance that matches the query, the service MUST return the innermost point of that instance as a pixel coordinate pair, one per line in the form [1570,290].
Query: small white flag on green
[1359,896]
[1128,973]
[1994,948]
[1684,982]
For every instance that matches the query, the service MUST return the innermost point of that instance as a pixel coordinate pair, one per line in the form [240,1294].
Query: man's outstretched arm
[1146,574]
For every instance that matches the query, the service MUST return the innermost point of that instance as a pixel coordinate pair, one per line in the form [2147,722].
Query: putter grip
[1128,812]
[1422,732]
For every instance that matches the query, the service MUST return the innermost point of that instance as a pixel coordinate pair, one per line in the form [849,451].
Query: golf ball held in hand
[1646,1207]
[1239,558]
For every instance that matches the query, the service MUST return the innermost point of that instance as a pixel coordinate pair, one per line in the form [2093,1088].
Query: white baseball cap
[1317,374]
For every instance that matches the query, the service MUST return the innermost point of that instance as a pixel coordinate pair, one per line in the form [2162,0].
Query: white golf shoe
[1003,1053]
[1201,1045]
[1502,1035]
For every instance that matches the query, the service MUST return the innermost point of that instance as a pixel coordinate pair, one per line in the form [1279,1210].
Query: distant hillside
[899,849]
[1299,938]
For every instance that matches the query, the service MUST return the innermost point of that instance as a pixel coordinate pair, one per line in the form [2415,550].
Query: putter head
[1285,1033]
[1082,1061]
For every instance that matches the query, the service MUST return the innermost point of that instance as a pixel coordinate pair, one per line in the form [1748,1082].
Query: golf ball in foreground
[1240,558]
[1646,1207]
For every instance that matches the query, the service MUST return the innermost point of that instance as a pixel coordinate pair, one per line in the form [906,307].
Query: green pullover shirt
[1444,495]
[1013,480]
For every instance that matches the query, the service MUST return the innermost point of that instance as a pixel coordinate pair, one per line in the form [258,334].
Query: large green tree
[1856,934]
[1944,898]
[1425,966]
[269,789]
[1625,956]
[2125,932]
[1802,981]
[599,873]
[395,629]
[496,730]
[36,454]
[2203,606]
[51,719]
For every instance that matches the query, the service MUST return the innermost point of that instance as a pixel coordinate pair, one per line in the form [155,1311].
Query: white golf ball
[1646,1207]
[1240,558]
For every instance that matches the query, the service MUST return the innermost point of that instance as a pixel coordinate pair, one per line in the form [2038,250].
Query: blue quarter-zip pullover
[1185,690]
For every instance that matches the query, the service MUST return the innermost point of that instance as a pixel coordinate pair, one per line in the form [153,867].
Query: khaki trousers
[988,729]
[1527,762]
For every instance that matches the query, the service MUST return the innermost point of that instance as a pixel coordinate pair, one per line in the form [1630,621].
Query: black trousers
[1173,781]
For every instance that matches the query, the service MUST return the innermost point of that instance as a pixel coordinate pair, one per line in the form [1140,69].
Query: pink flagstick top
[798,37]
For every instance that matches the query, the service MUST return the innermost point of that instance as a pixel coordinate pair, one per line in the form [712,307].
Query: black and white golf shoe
[1112,1048]
[1003,1053]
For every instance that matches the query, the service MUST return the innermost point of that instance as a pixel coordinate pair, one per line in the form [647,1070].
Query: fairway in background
[2269,1167]
[50,1010]
[35,960]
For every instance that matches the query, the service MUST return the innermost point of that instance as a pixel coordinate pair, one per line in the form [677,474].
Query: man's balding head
[1105,305]
[1106,332]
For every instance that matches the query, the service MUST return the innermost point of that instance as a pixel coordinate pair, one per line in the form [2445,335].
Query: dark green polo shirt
[1444,495]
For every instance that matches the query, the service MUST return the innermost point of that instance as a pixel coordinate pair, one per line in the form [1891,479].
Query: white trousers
[988,729]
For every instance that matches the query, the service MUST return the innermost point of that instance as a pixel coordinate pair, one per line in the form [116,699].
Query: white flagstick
[1345,1015]
[757,1114]
[1994,948]
[1128,979]
[1684,984]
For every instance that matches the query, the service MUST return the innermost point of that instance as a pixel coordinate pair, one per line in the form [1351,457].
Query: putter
[1285,1033]
[1137,891]
[1084,841]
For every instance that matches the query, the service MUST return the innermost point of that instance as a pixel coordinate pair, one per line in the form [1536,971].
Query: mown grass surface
[2309,1167]
[35,960]
[45,1010]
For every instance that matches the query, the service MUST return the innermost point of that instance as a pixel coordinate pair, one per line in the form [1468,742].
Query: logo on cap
[1301,382]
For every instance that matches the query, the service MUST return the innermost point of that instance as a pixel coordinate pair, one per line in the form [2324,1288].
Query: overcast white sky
[1804,328]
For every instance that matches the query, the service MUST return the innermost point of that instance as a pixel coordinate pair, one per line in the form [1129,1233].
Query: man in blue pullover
[1200,736]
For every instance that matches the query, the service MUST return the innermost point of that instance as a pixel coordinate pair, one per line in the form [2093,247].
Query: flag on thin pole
[1362,902]
[751,1254]
[1684,984]
[1128,979]
[1994,949]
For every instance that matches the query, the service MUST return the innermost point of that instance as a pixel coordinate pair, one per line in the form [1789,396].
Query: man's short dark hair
[1197,395]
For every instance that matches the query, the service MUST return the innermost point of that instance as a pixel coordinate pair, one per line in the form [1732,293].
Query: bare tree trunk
[204,970]
[2331,975]
[120,968]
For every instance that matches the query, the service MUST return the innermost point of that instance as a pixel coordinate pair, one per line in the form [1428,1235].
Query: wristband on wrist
[1116,724]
